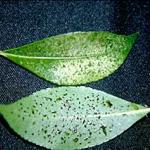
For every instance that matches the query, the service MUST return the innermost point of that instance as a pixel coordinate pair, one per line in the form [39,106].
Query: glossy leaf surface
[74,58]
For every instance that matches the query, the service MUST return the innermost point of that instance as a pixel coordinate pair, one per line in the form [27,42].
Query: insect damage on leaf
[71,117]
[74,58]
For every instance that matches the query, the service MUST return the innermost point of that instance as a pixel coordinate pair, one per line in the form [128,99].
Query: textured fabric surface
[24,22]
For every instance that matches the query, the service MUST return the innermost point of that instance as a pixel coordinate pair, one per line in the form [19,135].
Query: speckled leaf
[74,58]
[68,118]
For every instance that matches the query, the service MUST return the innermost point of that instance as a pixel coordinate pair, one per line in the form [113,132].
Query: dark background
[26,21]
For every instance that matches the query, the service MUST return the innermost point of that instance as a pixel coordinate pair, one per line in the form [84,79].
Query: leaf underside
[74,58]
[68,118]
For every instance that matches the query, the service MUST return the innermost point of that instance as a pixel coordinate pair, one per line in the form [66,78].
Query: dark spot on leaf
[63,139]
[90,64]
[75,140]
[54,112]
[67,133]
[45,131]
[25,131]
[124,114]
[104,130]
[83,121]
[58,131]
[109,104]
[58,99]
[99,117]
[32,111]
[65,94]
[85,139]
[90,133]
[48,135]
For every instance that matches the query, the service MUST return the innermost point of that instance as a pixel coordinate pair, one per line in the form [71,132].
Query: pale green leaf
[74,58]
[68,118]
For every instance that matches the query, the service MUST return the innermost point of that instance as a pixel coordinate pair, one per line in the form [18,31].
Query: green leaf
[68,118]
[74,58]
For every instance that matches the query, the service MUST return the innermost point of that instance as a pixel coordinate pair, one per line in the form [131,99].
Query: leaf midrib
[133,112]
[46,58]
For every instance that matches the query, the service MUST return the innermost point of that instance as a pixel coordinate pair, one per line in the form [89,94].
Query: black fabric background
[27,21]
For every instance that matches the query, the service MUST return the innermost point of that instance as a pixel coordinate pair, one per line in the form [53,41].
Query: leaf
[74,58]
[68,118]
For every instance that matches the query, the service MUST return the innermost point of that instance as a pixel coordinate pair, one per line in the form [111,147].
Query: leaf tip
[135,35]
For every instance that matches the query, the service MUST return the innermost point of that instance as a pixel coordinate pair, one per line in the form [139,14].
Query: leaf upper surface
[74,58]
